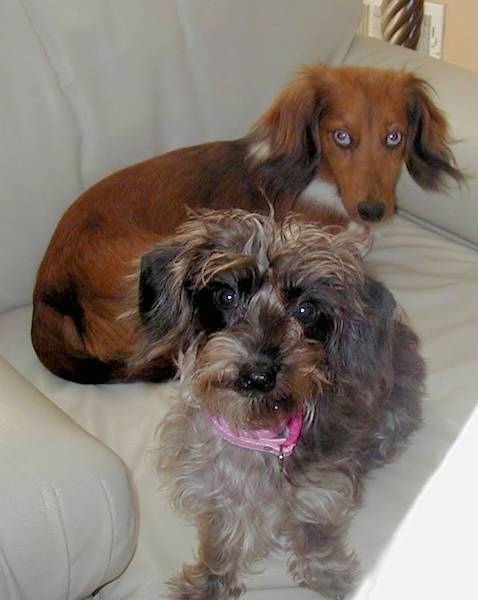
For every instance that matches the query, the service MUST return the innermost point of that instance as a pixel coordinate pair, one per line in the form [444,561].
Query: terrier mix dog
[298,378]
[331,146]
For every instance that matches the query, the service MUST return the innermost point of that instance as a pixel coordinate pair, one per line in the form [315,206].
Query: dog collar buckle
[280,458]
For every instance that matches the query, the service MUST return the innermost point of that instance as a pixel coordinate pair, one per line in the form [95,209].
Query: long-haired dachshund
[330,148]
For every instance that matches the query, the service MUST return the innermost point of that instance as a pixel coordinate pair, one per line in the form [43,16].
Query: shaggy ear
[163,301]
[428,155]
[377,379]
[379,299]
[375,327]
[360,352]
[290,126]
[402,385]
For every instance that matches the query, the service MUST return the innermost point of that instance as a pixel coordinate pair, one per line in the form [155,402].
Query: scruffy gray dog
[299,377]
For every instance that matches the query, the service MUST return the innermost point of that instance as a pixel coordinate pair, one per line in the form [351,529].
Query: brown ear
[289,127]
[428,155]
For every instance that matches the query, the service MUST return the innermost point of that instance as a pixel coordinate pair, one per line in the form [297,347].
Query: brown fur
[85,281]
[278,320]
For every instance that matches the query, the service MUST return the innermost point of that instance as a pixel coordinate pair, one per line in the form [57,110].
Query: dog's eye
[342,137]
[393,138]
[226,298]
[307,312]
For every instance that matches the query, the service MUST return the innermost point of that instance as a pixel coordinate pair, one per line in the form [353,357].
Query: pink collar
[280,442]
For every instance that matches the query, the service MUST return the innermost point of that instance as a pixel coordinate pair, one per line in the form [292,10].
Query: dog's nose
[371,211]
[260,377]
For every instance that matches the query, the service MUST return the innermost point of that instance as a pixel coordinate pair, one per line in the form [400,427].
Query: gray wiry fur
[352,367]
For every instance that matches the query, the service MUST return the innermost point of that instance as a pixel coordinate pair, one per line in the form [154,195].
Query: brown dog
[330,147]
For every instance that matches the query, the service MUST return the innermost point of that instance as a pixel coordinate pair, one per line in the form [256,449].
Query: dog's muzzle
[371,211]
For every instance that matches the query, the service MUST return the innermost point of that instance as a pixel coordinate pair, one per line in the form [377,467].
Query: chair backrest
[89,87]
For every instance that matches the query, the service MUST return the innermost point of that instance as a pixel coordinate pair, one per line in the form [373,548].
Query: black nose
[259,377]
[371,211]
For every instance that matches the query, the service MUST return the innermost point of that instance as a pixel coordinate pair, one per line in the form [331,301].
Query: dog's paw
[361,236]
[197,583]
[333,578]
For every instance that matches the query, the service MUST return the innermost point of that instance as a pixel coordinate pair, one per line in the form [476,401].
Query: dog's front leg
[318,520]
[215,575]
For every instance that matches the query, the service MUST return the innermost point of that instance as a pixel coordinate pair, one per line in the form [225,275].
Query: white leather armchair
[88,87]
[67,509]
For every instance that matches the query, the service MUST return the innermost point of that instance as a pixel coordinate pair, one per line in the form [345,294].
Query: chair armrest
[67,510]
[456,210]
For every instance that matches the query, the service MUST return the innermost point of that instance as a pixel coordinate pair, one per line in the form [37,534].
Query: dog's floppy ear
[428,155]
[289,128]
[376,376]
[163,302]
[363,344]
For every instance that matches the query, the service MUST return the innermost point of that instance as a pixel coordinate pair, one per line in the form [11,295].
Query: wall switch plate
[433,30]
